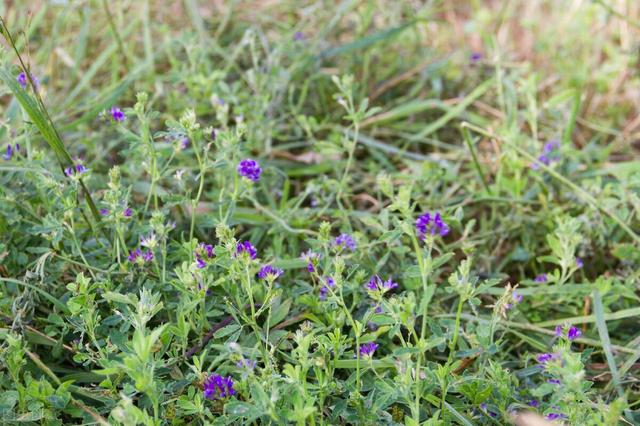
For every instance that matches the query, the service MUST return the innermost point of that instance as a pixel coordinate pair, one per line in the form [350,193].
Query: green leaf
[225,331]
[280,313]
[120,298]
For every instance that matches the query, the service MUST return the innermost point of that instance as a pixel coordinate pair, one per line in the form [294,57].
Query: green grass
[363,116]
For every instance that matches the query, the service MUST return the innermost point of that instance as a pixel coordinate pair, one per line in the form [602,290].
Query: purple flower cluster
[343,241]
[549,154]
[268,271]
[555,416]
[23,81]
[573,332]
[117,114]
[140,257]
[329,283]
[9,153]
[78,169]
[484,408]
[541,278]
[367,349]
[377,284]
[218,387]
[311,258]
[202,252]
[245,247]
[428,224]
[250,169]
[516,297]
[545,357]
[249,364]
[185,142]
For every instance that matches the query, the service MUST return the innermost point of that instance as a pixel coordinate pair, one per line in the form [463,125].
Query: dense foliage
[321,213]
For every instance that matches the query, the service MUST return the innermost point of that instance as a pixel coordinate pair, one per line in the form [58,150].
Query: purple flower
[550,146]
[184,142]
[549,154]
[517,297]
[541,278]
[367,349]
[330,283]
[389,285]
[104,212]
[376,283]
[269,271]
[250,169]
[426,224]
[246,247]
[23,81]
[117,114]
[558,331]
[9,153]
[310,257]
[134,254]
[579,263]
[483,407]
[200,287]
[298,36]
[127,212]
[544,358]
[249,364]
[205,249]
[138,256]
[534,403]
[77,169]
[218,387]
[378,309]
[476,57]
[343,241]
[553,381]
[372,285]
[555,416]
[200,263]
[573,333]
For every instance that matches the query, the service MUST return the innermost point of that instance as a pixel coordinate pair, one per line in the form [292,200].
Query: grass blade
[601,325]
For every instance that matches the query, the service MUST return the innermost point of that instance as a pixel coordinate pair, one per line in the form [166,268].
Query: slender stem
[352,149]
[195,201]
[425,286]
[454,341]
[115,32]
[476,163]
